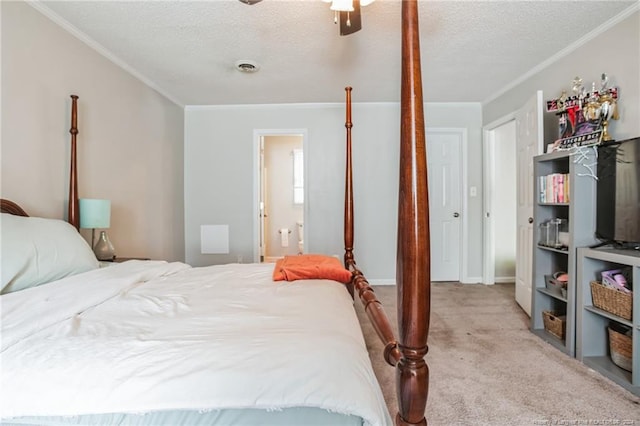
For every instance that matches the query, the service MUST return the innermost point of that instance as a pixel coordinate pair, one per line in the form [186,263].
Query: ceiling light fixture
[247,65]
[250,2]
[343,10]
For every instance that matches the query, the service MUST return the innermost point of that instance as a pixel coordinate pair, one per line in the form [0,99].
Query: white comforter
[145,336]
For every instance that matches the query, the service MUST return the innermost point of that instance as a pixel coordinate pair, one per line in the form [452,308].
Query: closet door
[529,137]
[444,157]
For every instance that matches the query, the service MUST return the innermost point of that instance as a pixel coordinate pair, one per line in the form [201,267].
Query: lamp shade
[95,213]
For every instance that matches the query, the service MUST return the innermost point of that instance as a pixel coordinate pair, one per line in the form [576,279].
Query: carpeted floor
[486,368]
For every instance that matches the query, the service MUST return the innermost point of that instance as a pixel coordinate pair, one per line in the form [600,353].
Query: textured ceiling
[471,50]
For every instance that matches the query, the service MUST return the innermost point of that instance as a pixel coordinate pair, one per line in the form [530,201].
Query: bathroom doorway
[280,195]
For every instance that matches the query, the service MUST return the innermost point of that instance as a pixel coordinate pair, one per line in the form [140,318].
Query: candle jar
[563,233]
[553,235]
[544,233]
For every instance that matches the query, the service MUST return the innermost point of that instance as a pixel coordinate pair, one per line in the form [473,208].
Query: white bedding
[140,336]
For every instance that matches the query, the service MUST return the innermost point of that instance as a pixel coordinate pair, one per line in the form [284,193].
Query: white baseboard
[382,282]
[468,280]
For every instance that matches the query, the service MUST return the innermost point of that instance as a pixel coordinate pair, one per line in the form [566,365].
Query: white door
[444,158]
[529,137]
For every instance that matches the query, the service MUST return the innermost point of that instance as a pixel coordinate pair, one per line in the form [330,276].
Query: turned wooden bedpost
[413,258]
[349,261]
[74,206]
[348,190]
[359,283]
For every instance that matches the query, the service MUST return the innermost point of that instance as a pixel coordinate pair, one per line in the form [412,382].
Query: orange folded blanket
[310,266]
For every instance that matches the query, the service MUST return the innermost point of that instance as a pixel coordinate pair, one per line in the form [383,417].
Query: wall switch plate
[473,191]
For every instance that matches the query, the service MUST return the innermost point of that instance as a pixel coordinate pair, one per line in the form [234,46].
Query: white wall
[130,145]
[219,167]
[615,51]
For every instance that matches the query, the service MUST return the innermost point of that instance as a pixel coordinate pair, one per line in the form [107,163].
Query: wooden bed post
[348,190]
[413,251]
[349,260]
[74,206]
[359,283]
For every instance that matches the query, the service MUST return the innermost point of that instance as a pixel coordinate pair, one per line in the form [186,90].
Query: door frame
[258,134]
[464,234]
[488,189]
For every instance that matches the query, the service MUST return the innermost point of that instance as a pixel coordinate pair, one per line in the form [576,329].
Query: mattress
[140,340]
[307,416]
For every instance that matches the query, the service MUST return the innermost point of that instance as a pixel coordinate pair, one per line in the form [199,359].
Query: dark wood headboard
[7,206]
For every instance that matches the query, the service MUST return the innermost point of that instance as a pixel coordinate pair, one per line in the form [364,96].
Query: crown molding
[64,24]
[567,50]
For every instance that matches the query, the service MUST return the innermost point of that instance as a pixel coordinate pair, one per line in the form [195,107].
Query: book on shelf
[554,188]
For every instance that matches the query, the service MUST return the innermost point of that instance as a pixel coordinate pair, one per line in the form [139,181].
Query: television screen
[618,192]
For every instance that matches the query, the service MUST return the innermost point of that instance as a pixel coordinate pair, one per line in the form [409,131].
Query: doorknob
[530,220]
[456,214]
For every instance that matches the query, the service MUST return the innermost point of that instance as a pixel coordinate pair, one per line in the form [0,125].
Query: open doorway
[500,192]
[280,195]
[527,138]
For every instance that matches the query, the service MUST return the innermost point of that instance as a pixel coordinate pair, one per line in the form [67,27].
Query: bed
[151,342]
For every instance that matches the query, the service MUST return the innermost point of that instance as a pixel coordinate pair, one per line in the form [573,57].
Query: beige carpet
[486,368]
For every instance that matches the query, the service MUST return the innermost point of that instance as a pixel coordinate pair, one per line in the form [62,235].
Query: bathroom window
[298,177]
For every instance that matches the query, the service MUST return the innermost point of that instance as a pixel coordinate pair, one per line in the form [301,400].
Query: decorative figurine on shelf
[583,119]
[608,108]
[578,88]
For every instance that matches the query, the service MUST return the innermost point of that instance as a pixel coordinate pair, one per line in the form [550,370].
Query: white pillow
[36,251]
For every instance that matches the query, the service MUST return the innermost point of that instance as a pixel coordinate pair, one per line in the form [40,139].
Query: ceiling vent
[245,65]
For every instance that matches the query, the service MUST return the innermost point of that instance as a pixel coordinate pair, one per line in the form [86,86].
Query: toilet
[299,225]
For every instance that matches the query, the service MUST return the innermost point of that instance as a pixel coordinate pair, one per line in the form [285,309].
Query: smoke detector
[245,65]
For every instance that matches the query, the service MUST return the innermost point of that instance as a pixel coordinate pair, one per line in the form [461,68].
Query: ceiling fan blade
[354,19]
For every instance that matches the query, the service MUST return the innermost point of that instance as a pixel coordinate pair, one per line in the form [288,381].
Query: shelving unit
[592,342]
[580,212]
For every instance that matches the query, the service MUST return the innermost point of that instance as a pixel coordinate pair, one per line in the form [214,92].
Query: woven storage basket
[554,324]
[620,348]
[611,300]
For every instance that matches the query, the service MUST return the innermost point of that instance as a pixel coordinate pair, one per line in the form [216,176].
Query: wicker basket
[620,348]
[611,300]
[554,324]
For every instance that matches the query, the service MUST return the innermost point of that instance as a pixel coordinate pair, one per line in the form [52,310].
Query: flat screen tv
[618,193]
